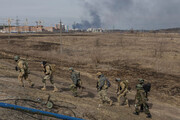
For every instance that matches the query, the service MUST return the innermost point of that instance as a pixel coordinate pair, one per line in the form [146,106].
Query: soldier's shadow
[114,99]
[47,87]
[81,94]
[65,89]
[150,105]
[132,102]
[87,94]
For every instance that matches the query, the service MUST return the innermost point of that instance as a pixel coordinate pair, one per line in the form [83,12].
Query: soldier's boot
[74,91]
[111,103]
[149,115]
[22,84]
[136,113]
[44,87]
[75,94]
[55,89]
[31,85]
[127,103]
[100,103]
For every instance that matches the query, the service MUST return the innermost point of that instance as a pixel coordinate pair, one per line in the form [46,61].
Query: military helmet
[49,104]
[43,62]
[99,73]
[139,87]
[16,58]
[71,68]
[117,79]
[141,80]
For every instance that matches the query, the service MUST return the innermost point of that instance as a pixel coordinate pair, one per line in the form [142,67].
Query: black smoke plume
[95,21]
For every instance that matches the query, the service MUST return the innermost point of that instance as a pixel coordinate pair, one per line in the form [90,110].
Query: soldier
[102,86]
[141,100]
[122,91]
[48,75]
[77,83]
[22,66]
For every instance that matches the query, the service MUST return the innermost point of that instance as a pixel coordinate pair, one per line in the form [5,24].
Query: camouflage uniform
[141,100]
[48,76]
[102,87]
[22,66]
[75,77]
[122,92]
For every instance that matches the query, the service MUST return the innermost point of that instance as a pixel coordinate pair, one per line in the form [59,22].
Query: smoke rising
[94,15]
[127,14]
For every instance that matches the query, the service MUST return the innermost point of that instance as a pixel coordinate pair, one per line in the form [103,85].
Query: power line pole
[25,29]
[60,28]
[17,24]
[37,24]
[26,22]
[9,26]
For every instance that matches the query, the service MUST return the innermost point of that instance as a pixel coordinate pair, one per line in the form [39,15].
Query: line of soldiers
[102,86]
[140,98]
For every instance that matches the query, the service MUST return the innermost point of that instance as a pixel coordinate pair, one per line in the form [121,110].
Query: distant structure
[95,30]
[31,29]
[17,24]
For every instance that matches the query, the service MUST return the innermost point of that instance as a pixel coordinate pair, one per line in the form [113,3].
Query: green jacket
[22,66]
[103,83]
[141,94]
[75,77]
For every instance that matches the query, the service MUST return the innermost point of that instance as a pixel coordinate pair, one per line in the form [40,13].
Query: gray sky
[122,14]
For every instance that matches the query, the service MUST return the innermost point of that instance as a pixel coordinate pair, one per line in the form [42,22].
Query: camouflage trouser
[48,77]
[103,96]
[79,85]
[140,104]
[123,97]
[24,76]
[73,88]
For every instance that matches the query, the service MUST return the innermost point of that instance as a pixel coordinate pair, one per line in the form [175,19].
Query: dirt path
[86,104]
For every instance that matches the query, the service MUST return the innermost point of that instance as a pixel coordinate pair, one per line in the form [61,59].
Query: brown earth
[154,57]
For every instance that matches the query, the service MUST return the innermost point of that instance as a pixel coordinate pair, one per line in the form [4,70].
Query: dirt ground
[154,57]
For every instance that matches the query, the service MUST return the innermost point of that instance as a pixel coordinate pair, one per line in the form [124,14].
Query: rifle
[16,68]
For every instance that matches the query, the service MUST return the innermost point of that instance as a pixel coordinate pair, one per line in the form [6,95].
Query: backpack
[52,67]
[25,66]
[77,75]
[147,87]
[107,83]
[126,82]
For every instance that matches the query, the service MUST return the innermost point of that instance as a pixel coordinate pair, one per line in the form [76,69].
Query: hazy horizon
[118,14]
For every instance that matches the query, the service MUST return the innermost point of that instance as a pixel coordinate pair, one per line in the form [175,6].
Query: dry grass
[159,52]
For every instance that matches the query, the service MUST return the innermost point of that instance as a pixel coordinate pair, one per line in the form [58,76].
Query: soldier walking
[48,75]
[122,91]
[77,83]
[102,86]
[22,66]
[141,100]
